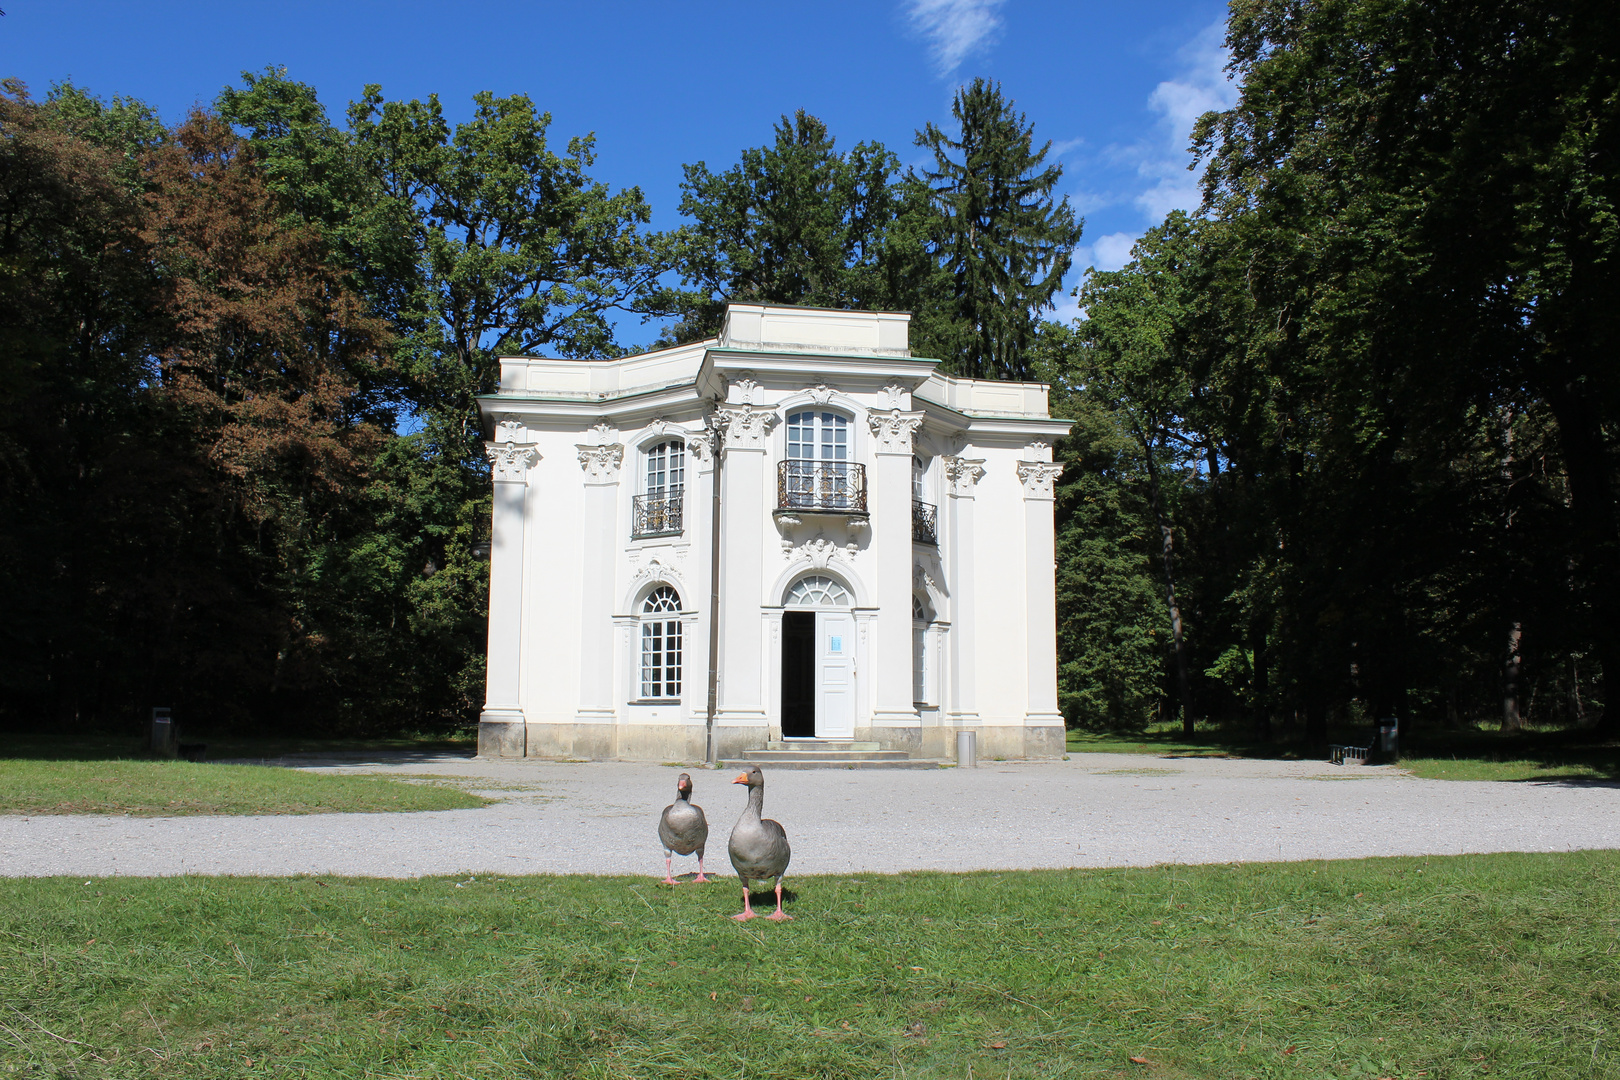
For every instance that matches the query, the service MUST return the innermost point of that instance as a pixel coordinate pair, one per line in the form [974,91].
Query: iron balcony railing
[924,522]
[658,514]
[832,487]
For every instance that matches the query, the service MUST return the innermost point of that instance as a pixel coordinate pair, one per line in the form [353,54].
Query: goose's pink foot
[669,872]
[748,911]
[700,876]
[779,915]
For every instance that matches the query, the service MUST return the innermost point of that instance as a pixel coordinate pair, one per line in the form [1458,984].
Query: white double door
[835,675]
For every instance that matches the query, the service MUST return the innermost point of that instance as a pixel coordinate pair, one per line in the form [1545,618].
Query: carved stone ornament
[746,427]
[745,386]
[1038,478]
[658,425]
[923,579]
[700,444]
[602,433]
[963,474]
[819,551]
[894,396]
[511,461]
[894,430]
[657,571]
[601,463]
[820,393]
[1039,450]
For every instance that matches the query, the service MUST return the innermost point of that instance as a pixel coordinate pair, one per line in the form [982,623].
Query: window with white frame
[666,468]
[661,644]
[919,651]
[658,508]
[817,436]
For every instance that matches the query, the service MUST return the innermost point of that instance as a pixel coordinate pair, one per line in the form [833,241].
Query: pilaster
[742,532]
[962,474]
[890,505]
[500,726]
[1038,479]
[599,459]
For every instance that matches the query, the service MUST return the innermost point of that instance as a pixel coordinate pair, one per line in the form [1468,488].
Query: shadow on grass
[1539,749]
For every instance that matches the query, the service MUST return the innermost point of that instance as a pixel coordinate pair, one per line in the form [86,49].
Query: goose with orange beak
[759,846]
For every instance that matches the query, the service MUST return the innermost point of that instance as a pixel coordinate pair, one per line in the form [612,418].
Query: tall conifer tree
[1003,238]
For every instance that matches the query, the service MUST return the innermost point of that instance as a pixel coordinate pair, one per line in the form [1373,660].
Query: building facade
[860,548]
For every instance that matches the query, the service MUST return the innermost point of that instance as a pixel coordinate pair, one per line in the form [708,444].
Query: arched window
[666,468]
[661,644]
[818,473]
[919,650]
[658,509]
[817,592]
[817,436]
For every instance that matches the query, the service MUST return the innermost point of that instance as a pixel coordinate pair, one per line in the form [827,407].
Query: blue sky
[1114,85]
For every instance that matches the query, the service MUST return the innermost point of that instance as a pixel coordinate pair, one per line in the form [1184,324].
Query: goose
[759,846]
[683,829]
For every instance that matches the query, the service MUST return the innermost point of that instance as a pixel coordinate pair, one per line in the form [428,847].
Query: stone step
[763,756]
[821,744]
[826,762]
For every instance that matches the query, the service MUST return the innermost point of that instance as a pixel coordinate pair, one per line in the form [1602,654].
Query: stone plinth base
[499,738]
[685,742]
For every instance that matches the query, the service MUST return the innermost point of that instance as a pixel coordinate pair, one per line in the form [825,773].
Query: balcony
[924,522]
[658,514]
[821,487]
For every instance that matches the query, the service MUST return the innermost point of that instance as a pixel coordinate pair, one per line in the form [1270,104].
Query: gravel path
[1093,810]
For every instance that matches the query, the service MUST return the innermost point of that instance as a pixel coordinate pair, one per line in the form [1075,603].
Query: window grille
[817,592]
[661,644]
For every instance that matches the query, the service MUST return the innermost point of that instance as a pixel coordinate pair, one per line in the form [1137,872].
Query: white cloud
[955,28]
[1201,87]
[1109,252]
[1160,159]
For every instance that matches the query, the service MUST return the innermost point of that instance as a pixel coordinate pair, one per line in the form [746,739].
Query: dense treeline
[1344,442]
[239,449]
[1363,408]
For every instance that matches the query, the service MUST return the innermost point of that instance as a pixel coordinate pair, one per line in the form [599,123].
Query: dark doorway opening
[798,674]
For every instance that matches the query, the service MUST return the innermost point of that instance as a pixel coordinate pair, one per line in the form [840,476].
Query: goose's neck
[756,800]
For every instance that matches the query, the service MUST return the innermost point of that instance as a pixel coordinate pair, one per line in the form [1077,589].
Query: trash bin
[164,739]
[967,754]
[1389,736]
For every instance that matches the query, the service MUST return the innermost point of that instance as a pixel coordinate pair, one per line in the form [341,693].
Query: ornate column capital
[963,474]
[745,426]
[700,444]
[1038,478]
[894,430]
[511,454]
[600,461]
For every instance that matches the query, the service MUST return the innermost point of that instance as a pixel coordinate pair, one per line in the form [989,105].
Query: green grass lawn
[1473,966]
[181,787]
[53,747]
[1470,754]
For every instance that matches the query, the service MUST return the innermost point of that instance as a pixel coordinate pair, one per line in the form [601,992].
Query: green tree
[1002,238]
[1422,195]
[1133,363]
[797,222]
[1110,608]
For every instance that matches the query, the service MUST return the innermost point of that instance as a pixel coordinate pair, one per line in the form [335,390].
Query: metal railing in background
[924,522]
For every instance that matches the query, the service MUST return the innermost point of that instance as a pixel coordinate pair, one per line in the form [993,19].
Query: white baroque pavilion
[883,536]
